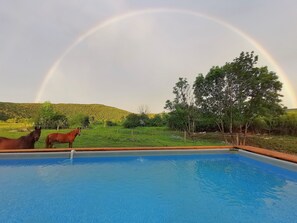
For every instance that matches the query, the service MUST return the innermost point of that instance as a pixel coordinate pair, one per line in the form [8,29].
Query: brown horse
[24,142]
[61,138]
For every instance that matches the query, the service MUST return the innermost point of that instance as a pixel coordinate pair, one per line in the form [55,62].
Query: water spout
[71,154]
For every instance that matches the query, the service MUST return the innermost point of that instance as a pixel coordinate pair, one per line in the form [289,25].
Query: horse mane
[75,131]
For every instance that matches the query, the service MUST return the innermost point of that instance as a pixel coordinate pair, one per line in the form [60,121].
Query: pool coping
[269,153]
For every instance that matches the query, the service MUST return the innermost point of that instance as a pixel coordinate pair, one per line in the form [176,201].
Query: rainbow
[288,89]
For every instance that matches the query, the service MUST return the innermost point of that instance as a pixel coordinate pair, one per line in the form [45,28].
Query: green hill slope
[292,110]
[30,110]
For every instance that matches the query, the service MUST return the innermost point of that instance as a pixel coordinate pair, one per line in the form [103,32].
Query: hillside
[30,110]
[292,110]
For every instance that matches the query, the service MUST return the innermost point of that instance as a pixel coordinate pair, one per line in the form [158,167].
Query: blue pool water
[183,188]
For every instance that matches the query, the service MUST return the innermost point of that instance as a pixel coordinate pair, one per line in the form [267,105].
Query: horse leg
[50,145]
[48,142]
[70,144]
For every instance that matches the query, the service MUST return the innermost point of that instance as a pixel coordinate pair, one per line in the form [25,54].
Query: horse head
[78,129]
[36,134]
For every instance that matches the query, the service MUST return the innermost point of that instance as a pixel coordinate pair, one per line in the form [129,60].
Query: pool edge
[64,151]
[269,153]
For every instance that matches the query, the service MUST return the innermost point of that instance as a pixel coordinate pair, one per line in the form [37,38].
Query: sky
[130,53]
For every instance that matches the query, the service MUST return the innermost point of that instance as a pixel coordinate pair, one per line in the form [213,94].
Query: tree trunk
[240,135]
[222,130]
[231,132]
[245,133]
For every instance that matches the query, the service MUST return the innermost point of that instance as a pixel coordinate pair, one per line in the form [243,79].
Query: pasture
[117,136]
[114,136]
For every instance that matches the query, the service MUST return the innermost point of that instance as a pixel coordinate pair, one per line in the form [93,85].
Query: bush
[132,121]
[206,124]
[80,120]
[110,123]
[56,121]
[3,116]
[177,119]
[157,121]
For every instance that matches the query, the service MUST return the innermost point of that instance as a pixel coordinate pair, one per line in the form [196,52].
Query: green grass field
[116,136]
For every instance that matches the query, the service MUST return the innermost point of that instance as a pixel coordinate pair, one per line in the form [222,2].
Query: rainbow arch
[289,91]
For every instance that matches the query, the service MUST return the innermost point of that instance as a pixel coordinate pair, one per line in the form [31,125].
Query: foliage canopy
[232,95]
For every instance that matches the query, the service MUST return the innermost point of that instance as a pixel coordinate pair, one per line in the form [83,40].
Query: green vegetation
[30,111]
[141,120]
[49,118]
[292,110]
[238,99]
[116,136]
[231,97]
[281,143]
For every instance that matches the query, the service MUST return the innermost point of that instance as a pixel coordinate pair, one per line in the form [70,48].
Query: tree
[143,109]
[238,92]
[183,113]
[48,118]
[209,98]
[59,121]
[80,120]
[45,115]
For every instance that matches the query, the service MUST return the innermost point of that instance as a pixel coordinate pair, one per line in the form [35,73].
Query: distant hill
[292,110]
[30,110]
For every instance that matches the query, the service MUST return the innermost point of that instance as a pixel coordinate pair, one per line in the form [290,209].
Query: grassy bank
[287,144]
[117,136]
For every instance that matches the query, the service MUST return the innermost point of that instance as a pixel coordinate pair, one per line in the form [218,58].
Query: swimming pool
[147,187]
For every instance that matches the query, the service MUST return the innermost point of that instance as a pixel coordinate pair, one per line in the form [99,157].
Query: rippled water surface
[190,188]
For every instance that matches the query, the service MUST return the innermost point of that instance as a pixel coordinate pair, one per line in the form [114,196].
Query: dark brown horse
[61,138]
[24,142]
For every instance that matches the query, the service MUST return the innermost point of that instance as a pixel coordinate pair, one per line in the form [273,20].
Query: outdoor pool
[146,187]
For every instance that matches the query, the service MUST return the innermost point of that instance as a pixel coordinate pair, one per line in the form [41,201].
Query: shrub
[80,120]
[157,121]
[110,123]
[132,121]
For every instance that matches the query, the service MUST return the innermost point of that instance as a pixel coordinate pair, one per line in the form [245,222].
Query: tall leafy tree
[45,115]
[183,113]
[238,92]
[209,98]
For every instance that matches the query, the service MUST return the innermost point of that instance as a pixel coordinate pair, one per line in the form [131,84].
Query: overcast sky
[128,53]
